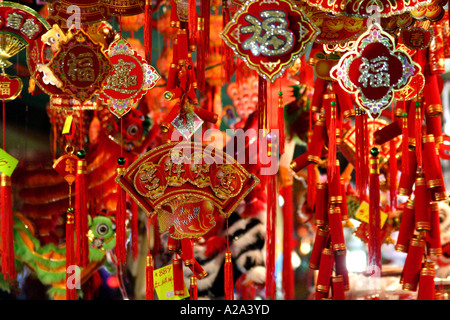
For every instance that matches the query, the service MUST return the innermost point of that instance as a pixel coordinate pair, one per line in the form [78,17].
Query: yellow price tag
[163,283]
[67,124]
[7,163]
[363,214]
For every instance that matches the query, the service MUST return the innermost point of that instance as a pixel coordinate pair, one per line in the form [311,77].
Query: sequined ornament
[375,71]
[269,35]
[81,66]
[129,79]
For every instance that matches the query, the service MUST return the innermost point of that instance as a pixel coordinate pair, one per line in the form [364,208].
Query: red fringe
[121,215]
[7,232]
[148,29]
[393,175]
[81,216]
[193,292]
[71,293]
[288,214]
[281,128]
[374,221]
[271,189]
[192,20]
[227,52]
[418,135]
[405,145]
[229,284]
[332,142]
[149,288]
[134,230]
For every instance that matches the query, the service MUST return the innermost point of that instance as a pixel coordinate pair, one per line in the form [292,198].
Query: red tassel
[178,278]
[174,21]
[121,216]
[193,292]
[71,292]
[418,133]
[229,285]
[331,137]
[227,52]
[271,189]
[281,126]
[149,278]
[405,145]
[288,214]
[7,235]
[134,230]
[361,156]
[374,244]
[148,29]
[202,43]
[81,213]
[192,20]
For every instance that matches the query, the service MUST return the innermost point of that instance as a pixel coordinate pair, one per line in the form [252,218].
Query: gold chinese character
[4,88]
[70,166]
[226,179]
[14,20]
[149,178]
[417,39]
[30,28]
[81,67]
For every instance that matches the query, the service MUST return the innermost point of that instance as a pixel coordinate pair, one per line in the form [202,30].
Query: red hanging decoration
[178,277]
[148,30]
[374,244]
[121,217]
[288,213]
[71,293]
[149,287]
[7,238]
[81,212]
[193,290]
[229,286]
[134,230]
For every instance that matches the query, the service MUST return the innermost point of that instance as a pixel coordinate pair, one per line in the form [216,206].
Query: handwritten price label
[163,282]
[7,163]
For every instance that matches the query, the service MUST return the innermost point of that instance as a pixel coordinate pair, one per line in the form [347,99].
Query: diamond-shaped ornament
[187,123]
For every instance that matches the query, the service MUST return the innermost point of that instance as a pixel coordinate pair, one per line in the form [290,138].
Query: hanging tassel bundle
[418,132]
[229,285]
[271,189]
[71,292]
[361,152]
[405,143]
[193,290]
[149,286]
[374,242]
[81,212]
[193,20]
[281,127]
[148,30]
[203,43]
[288,224]
[330,109]
[121,217]
[134,230]
[7,236]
